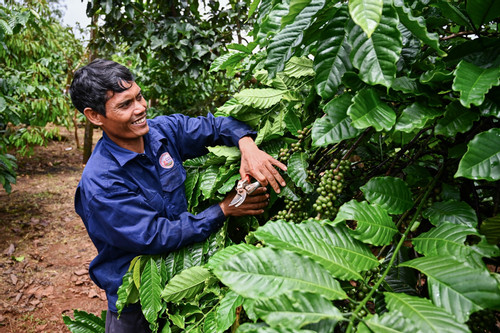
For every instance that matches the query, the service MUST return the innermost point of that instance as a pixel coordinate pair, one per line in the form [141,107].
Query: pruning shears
[243,188]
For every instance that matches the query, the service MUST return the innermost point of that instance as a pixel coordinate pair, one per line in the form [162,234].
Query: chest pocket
[172,178]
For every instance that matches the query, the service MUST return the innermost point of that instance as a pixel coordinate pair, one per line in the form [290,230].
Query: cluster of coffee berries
[329,187]
[295,211]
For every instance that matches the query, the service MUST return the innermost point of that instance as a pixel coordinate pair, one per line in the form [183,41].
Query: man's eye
[139,97]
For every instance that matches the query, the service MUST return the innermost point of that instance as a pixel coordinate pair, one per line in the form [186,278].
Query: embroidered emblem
[166,161]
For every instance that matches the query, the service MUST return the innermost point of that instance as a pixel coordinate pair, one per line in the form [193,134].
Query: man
[131,195]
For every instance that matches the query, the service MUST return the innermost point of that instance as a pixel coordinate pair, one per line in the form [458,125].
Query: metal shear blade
[242,190]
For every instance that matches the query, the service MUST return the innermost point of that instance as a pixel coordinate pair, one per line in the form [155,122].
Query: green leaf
[376,57]
[456,212]
[296,6]
[292,122]
[390,322]
[335,126]
[226,311]
[224,254]
[289,236]
[297,170]
[150,291]
[127,292]
[474,82]
[425,315]
[186,284]
[372,223]
[417,26]
[265,273]
[208,180]
[299,67]
[332,57]
[366,13]
[458,287]
[231,154]
[296,309]
[357,253]
[260,328]
[482,11]
[447,239]
[491,229]
[137,273]
[84,322]
[415,117]
[282,46]
[260,98]
[5,28]
[451,12]
[457,119]
[390,193]
[368,110]
[482,159]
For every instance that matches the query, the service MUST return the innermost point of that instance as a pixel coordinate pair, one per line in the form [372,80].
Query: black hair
[92,83]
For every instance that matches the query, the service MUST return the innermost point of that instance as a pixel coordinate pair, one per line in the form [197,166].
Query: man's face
[125,121]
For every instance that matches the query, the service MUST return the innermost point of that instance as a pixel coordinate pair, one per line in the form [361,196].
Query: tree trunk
[89,127]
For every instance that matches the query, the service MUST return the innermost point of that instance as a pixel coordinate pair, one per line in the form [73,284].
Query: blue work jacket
[134,204]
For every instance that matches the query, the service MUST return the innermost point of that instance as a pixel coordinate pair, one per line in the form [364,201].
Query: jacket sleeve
[194,134]
[128,221]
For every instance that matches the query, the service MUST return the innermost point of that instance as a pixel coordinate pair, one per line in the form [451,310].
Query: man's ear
[93,116]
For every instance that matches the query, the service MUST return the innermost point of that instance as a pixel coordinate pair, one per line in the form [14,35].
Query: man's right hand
[254,203]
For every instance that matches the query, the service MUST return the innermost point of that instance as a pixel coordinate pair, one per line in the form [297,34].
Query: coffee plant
[387,115]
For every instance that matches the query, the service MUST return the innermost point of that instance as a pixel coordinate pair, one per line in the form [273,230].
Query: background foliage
[38,57]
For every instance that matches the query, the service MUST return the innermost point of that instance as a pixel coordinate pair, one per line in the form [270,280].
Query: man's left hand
[260,165]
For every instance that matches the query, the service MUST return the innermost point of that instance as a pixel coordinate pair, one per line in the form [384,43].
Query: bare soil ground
[44,247]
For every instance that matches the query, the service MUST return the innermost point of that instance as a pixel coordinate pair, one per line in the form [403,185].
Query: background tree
[38,57]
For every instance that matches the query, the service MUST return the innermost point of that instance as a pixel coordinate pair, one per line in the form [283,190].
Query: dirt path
[45,250]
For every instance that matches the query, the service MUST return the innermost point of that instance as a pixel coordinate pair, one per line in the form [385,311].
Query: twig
[394,255]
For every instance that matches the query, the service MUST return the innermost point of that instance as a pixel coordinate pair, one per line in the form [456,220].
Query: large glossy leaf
[332,57]
[297,170]
[400,279]
[261,328]
[208,180]
[482,159]
[376,57]
[474,82]
[366,14]
[299,67]
[282,46]
[415,117]
[127,292]
[446,239]
[267,273]
[491,229]
[84,322]
[296,309]
[368,110]
[292,122]
[259,98]
[482,11]
[423,314]
[390,193]
[457,119]
[289,236]
[226,311]
[150,291]
[457,212]
[296,6]
[390,322]
[372,223]
[186,284]
[458,287]
[272,21]
[353,250]
[417,26]
[224,254]
[335,126]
